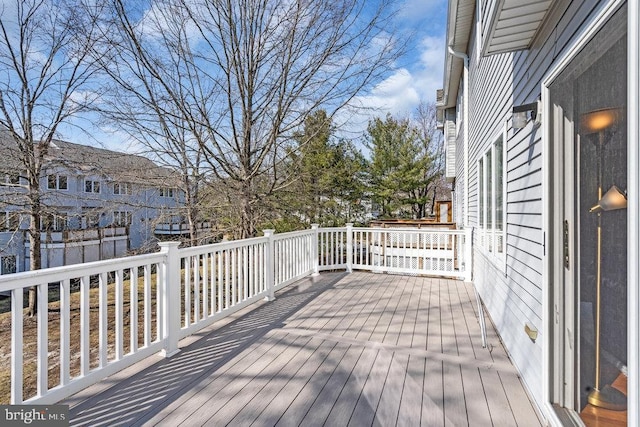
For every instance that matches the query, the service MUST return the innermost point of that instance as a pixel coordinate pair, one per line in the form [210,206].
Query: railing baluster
[196,288]
[119,291]
[220,269]
[133,310]
[205,286]
[234,277]
[245,271]
[227,284]
[159,298]
[65,331]
[85,328]
[187,292]
[147,305]
[16,345]
[102,320]
[252,270]
[212,277]
[43,338]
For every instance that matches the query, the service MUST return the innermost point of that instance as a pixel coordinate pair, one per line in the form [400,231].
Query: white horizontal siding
[512,290]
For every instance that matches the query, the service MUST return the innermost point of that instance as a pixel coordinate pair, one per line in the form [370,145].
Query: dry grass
[53,360]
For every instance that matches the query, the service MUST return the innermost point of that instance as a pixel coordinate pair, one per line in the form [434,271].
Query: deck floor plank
[411,404]
[497,400]
[327,397]
[342,349]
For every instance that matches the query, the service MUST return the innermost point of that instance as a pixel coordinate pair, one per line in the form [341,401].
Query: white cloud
[430,68]
[400,93]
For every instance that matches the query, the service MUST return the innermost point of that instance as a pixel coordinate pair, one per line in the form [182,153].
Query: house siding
[511,289]
[143,202]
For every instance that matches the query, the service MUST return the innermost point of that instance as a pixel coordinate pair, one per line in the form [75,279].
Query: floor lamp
[598,121]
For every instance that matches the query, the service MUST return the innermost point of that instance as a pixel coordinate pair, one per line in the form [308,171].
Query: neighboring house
[540,111]
[97,204]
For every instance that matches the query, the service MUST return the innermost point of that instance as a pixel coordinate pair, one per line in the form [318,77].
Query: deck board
[356,349]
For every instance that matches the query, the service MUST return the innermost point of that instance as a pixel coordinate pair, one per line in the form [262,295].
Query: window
[8,264]
[90,217]
[91,186]
[491,198]
[121,188]
[53,222]
[9,221]
[57,182]
[121,218]
[166,192]
[12,178]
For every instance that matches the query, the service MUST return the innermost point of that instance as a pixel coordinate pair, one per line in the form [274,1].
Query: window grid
[491,199]
[57,182]
[91,186]
[121,188]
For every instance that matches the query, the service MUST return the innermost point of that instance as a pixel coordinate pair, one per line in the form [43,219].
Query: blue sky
[416,76]
[419,73]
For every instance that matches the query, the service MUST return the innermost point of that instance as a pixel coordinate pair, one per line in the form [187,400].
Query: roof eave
[460,18]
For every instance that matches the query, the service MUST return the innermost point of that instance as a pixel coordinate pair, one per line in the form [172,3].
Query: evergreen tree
[400,170]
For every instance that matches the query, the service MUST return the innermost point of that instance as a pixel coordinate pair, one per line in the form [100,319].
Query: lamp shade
[598,120]
[613,199]
[520,120]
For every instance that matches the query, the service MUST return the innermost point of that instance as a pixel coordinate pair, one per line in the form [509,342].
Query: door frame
[552,220]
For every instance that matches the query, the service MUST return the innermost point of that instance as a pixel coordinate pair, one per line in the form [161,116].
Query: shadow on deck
[349,349]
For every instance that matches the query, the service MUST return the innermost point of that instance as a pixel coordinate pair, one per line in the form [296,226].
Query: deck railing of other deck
[130,308]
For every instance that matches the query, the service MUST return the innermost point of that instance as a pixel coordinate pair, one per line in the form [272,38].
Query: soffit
[513,24]
[460,20]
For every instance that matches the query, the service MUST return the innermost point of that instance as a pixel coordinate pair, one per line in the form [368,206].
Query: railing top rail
[287,235]
[221,246]
[410,230]
[323,229]
[55,274]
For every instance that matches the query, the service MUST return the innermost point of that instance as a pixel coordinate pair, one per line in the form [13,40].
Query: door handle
[565,243]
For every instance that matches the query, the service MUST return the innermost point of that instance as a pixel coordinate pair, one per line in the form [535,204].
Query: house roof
[88,160]
[460,19]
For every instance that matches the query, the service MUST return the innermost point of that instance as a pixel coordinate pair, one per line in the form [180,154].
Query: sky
[419,73]
[415,78]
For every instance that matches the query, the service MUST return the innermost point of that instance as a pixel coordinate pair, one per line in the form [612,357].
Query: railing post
[468,254]
[270,279]
[314,250]
[349,247]
[170,297]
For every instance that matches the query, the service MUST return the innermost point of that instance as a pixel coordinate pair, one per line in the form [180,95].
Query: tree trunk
[35,254]
[247,221]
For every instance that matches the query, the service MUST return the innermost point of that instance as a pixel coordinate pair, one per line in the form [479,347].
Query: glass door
[589,131]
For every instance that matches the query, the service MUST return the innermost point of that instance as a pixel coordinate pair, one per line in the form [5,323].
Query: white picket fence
[145,304]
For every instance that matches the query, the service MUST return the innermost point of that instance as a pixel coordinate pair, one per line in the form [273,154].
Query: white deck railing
[145,304]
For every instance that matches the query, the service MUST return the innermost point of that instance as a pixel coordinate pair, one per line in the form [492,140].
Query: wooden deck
[356,349]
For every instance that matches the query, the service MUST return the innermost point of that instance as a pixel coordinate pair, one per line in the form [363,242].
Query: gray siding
[512,291]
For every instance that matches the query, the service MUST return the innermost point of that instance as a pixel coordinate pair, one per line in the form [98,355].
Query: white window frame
[57,182]
[2,264]
[6,219]
[95,186]
[121,218]
[166,192]
[123,188]
[54,222]
[491,240]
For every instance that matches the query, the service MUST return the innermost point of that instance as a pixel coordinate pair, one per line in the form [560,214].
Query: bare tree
[45,66]
[242,76]
[433,148]
[155,91]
